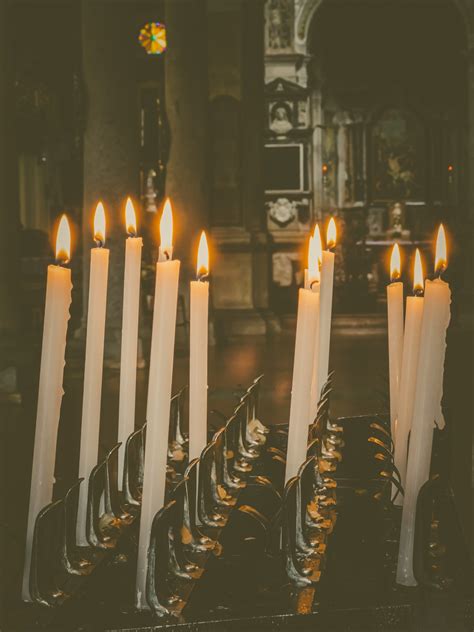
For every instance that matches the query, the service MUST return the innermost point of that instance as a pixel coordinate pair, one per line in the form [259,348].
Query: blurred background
[258,119]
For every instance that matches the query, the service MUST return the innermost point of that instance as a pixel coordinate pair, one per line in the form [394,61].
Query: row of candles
[311,361]
[56,316]
[417,347]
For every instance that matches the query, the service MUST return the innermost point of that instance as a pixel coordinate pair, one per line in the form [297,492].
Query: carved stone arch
[304,17]
[306,9]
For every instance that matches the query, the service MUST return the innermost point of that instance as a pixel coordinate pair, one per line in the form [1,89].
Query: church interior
[257,119]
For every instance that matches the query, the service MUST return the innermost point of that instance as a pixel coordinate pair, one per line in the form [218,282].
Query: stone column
[470,122]
[9,225]
[186,98]
[253,112]
[111,143]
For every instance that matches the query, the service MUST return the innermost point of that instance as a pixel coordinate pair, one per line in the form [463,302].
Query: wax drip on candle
[99,225]
[395,265]
[418,288]
[63,242]
[130,219]
[202,267]
[441,259]
[331,235]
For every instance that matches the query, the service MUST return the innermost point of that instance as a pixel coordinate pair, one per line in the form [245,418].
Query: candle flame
[202,267]
[313,261]
[331,234]
[318,244]
[130,218]
[63,241]
[166,229]
[418,273]
[395,266]
[99,224]
[441,258]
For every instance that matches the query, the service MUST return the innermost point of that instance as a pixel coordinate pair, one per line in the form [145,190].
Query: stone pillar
[111,143]
[470,122]
[9,225]
[186,98]
[253,112]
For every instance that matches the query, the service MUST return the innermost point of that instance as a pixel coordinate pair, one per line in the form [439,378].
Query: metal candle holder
[230,510]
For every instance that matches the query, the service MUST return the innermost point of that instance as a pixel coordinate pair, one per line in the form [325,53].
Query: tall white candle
[56,316]
[429,380]
[129,350]
[308,306]
[325,308]
[411,346]
[313,282]
[395,333]
[199,308]
[159,395]
[91,399]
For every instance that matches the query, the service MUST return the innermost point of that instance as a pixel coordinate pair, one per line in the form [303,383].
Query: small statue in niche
[280,119]
[396,215]
[150,192]
[280,15]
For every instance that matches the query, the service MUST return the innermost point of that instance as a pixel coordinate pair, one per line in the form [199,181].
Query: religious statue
[280,14]
[396,214]
[150,192]
[280,119]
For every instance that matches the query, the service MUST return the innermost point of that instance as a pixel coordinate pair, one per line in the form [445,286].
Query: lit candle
[91,398]
[411,346]
[129,350]
[395,333]
[315,257]
[325,308]
[159,394]
[199,308]
[428,393]
[56,316]
[308,307]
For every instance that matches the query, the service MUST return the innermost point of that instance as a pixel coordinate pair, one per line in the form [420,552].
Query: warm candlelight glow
[313,262]
[99,224]
[166,230]
[130,218]
[418,274]
[63,241]
[441,258]
[318,244]
[331,234]
[395,266]
[202,267]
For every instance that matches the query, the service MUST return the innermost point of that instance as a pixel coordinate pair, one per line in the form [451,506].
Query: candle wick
[313,282]
[99,242]
[418,292]
[202,276]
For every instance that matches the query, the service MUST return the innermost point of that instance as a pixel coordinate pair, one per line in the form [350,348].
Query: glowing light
[130,218]
[202,267]
[441,258]
[395,265]
[331,234]
[318,244]
[63,241]
[166,230]
[418,283]
[99,224]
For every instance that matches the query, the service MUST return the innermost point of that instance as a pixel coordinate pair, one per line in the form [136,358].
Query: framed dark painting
[397,156]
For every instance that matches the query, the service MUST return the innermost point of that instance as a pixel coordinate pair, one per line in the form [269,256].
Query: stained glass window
[153,38]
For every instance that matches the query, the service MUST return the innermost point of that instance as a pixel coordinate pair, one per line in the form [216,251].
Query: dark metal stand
[234,548]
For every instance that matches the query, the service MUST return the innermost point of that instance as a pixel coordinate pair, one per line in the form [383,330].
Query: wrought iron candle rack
[233,544]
